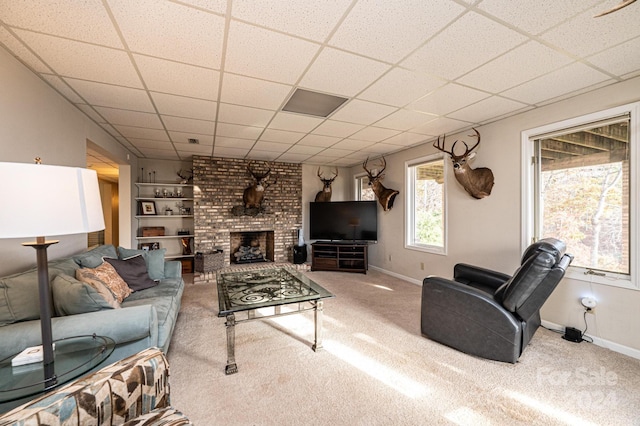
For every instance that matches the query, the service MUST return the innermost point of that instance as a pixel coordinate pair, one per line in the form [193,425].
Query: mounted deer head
[252,196]
[325,194]
[477,182]
[384,195]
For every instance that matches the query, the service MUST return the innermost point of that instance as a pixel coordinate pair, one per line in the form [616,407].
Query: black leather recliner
[490,314]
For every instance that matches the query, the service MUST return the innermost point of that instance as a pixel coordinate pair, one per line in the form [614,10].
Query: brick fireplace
[218,187]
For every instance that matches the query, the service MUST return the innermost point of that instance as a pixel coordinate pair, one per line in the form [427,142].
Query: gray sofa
[145,319]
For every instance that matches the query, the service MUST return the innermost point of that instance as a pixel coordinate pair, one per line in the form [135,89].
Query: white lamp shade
[42,200]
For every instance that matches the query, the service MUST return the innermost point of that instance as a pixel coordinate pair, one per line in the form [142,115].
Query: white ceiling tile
[619,60]
[293,158]
[404,120]
[272,146]
[374,134]
[148,143]
[602,33]
[318,140]
[337,152]
[100,94]
[337,128]
[540,14]
[533,59]
[381,148]
[226,142]
[170,30]
[248,91]
[238,131]
[448,99]
[87,20]
[85,61]
[183,137]
[406,139]
[440,126]
[190,149]
[180,106]
[352,144]
[308,19]
[281,136]
[390,30]
[362,112]
[91,113]
[487,109]
[230,152]
[164,76]
[142,133]
[468,43]
[255,154]
[21,52]
[235,114]
[305,149]
[160,154]
[294,122]
[328,70]
[181,124]
[218,6]
[130,118]
[265,54]
[568,79]
[62,87]
[400,86]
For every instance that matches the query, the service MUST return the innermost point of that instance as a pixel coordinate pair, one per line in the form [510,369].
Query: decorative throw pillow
[71,297]
[133,271]
[92,280]
[108,275]
[93,257]
[153,258]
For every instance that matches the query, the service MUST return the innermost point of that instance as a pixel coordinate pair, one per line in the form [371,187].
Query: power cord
[586,326]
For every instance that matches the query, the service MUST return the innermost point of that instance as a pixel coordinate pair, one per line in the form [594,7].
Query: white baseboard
[616,347]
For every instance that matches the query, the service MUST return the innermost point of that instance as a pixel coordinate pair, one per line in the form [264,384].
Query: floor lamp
[48,200]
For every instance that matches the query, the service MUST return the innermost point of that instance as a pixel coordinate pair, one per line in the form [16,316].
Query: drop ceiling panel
[172,31]
[318,141]
[337,128]
[91,113]
[337,152]
[262,155]
[183,138]
[86,21]
[568,79]
[230,152]
[362,112]
[218,6]
[100,94]
[154,144]
[404,120]
[248,91]
[181,106]
[293,158]
[235,114]
[234,143]
[188,125]
[271,146]
[62,87]
[294,122]
[19,50]
[281,136]
[187,149]
[374,134]
[342,73]
[260,53]
[130,118]
[448,99]
[305,149]
[81,60]
[441,126]
[164,76]
[533,60]
[308,19]
[238,131]
[406,139]
[389,31]
[352,144]
[142,133]
[619,60]
[467,44]
[381,148]
[486,109]
[399,87]
[161,154]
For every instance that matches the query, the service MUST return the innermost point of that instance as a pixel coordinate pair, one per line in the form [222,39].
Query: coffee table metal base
[230,323]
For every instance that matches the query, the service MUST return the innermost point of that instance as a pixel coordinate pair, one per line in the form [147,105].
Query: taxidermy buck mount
[384,195]
[253,195]
[325,195]
[477,182]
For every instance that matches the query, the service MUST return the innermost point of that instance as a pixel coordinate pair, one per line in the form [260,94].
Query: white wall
[487,232]
[35,121]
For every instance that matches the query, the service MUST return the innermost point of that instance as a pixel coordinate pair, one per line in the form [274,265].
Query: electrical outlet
[422,266]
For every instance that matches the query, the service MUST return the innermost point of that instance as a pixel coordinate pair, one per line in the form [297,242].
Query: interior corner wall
[36,121]
[487,232]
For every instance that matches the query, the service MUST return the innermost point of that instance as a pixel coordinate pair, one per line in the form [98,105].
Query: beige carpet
[376,368]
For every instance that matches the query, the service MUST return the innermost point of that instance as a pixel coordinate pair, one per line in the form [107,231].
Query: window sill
[615,280]
[427,249]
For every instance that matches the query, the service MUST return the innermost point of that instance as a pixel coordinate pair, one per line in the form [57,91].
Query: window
[425,210]
[581,185]
[363,190]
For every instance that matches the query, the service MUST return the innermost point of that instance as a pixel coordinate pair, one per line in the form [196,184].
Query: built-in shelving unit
[156,226]
[338,256]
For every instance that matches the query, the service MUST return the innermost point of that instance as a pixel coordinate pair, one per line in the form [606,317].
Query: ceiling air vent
[313,103]
[193,141]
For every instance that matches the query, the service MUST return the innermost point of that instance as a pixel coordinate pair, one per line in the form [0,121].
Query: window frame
[409,219]
[357,188]
[528,192]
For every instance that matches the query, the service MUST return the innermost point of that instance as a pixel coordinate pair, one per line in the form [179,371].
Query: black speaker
[299,254]
[572,334]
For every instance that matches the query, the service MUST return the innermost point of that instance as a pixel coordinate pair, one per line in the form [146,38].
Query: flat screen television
[344,221]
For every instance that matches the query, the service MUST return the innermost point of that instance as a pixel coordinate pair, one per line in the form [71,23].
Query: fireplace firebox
[252,246]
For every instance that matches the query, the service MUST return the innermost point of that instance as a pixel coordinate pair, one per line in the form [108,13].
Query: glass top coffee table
[274,287]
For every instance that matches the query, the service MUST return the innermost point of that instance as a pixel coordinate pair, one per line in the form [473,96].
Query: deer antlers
[383,163]
[329,179]
[453,147]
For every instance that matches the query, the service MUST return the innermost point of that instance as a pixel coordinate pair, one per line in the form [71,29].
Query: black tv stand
[344,256]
